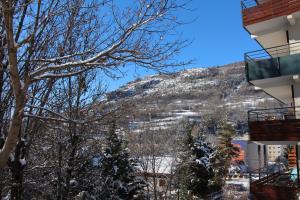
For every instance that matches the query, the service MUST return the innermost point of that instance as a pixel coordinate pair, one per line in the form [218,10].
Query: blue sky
[217,36]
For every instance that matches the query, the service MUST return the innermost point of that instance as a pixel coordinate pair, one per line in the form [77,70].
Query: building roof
[158,165]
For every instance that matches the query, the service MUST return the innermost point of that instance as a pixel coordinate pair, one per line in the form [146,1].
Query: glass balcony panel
[273,62]
[262,69]
[290,65]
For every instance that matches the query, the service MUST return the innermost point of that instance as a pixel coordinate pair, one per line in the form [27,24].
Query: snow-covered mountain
[161,101]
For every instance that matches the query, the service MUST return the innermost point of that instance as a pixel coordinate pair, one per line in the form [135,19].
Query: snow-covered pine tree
[119,171]
[195,168]
[201,167]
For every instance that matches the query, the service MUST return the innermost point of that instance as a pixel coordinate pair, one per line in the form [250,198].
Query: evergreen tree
[225,152]
[195,170]
[119,171]
[184,171]
[202,171]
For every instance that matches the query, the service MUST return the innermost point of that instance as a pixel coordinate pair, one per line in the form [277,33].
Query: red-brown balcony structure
[277,124]
[255,11]
[272,182]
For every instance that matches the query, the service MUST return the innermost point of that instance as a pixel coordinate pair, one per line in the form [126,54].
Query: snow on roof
[158,165]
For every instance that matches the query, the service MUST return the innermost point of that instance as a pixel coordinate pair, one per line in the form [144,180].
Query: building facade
[275,69]
[275,152]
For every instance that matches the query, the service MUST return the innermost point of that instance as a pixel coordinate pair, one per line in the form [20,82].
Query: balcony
[273,62]
[255,11]
[273,182]
[277,124]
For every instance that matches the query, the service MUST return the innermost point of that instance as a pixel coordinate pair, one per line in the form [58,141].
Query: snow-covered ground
[239,181]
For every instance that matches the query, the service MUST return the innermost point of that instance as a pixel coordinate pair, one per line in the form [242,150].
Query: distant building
[158,171]
[292,157]
[275,151]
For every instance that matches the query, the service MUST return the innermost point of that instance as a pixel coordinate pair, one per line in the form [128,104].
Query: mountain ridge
[161,101]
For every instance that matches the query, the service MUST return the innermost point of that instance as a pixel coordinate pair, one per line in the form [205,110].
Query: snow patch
[23,161]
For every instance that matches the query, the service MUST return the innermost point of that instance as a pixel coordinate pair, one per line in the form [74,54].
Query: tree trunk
[59,189]
[70,168]
[18,90]
[17,175]
[17,168]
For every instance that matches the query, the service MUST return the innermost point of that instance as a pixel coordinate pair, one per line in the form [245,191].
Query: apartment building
[275,69]
[275,152]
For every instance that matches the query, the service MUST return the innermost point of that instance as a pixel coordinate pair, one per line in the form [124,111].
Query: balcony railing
[268,174]
[273,62]
[286,113]
[277,124]
[274,181]
[255,11]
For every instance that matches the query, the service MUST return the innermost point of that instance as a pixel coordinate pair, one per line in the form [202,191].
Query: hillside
[161,101]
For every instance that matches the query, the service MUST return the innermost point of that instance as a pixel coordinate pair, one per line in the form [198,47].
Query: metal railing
[248,4]
[273,62]
[261,174]
[267,175]
[273,52]
[285,113]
